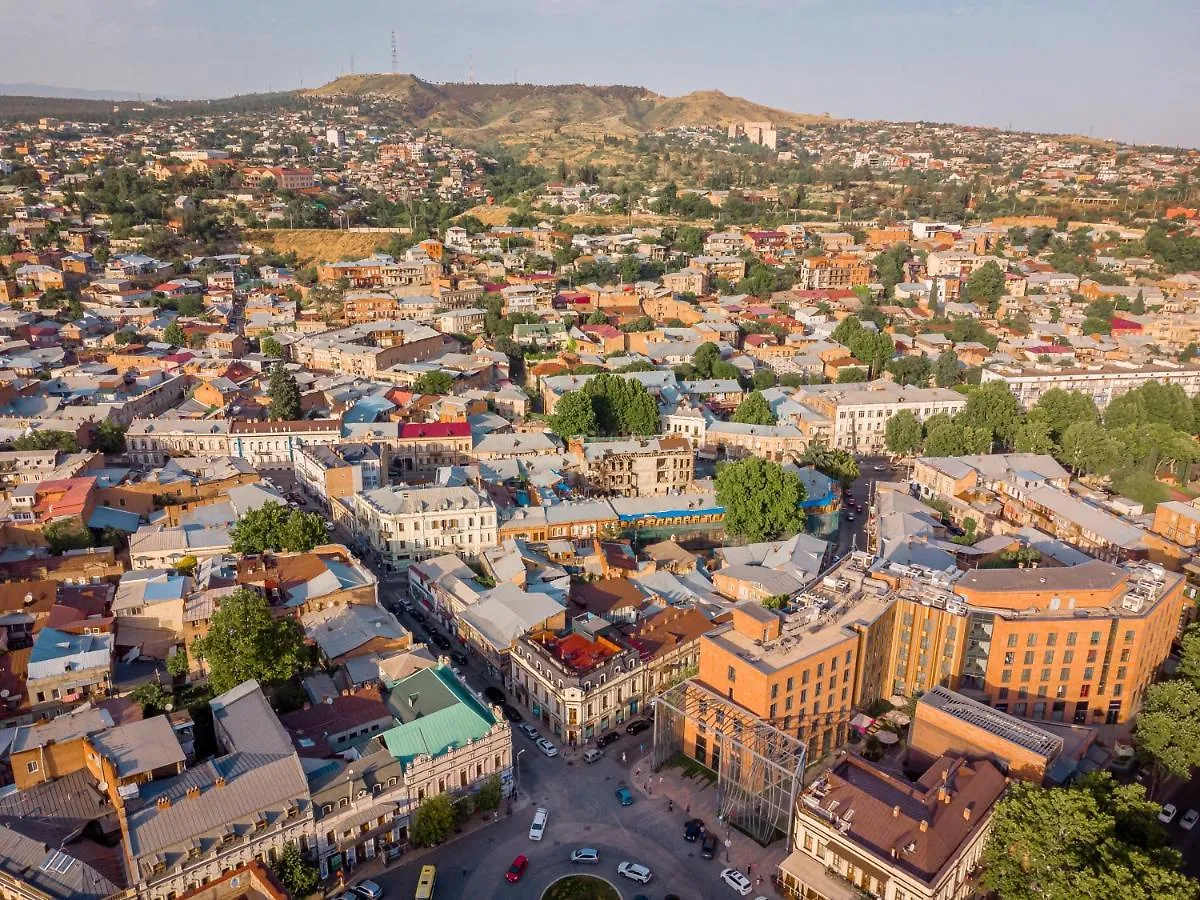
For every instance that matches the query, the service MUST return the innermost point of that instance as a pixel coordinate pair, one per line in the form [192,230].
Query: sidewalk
[697,798]
[377,865]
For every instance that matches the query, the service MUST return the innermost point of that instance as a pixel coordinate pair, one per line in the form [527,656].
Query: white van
[539,824]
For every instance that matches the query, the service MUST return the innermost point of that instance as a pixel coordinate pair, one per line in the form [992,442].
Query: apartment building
[856,415]
[422,448]
[1177,522]
[636,468]
[330,471]
[863,830]
[369,348]
[275,445]
[732,267]
[284,179]
[581,683]
[402,525]
[738,439]
[820,273]
[1100,382]
[151,442]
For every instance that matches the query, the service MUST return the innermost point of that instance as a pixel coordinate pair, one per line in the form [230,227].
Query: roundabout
[581,887]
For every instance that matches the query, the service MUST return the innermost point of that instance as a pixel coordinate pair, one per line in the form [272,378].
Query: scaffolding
[760,769]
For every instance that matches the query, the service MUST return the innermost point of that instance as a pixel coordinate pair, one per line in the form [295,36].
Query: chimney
[896,811]
[163,803]
[193,792]
[924,825]
[943,795]
[220,781]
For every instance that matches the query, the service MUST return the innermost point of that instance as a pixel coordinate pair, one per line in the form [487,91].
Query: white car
[585,855]
[368,890]
[538,828]
[593,755]
[634,872]
[546,747]
[1189,820]
[737,881]
[1166,815]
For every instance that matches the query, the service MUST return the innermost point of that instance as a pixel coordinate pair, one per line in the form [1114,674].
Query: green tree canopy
[67,534]
[434,383]
[275,528]
[490,794]
[985,285]
[433,822]
[1189,655]
[1058,410]
[761,499]
[622,405]
[956,439]
[245,641]
[1168,729]
[47,439]
[284,394]
[574,415]
[1090,840]
[1089,449]
[992,407]
[911,370]
[707,356]
[271,347]
[298,876]
[903,434]
[109,437]
[754,410]
[946,369]
[174,334]
[839,465]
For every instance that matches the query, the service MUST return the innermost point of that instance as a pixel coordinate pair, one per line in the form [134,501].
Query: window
[1028,657]
[774,690]
[1052,639]
[1071,637]
[1048,657]
[1068,657]
[1031,639]
[1006,675]
[790,682]
[1026,674]
[31,766]
[1095,639]
[1012,640]
[731,674]
[1045,675]
[1129,636]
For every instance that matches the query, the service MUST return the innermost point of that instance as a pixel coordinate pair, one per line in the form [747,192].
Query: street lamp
[518,768]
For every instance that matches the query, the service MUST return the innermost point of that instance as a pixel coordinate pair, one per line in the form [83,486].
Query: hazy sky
[1124,69]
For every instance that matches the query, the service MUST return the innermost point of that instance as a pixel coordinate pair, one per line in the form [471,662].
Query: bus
[426,883]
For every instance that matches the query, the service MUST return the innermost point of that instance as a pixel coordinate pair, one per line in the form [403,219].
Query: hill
[510,111]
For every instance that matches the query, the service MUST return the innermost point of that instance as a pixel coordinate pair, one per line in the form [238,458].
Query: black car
[637,726]
[510,712]
[458,658]
[708,846]
[440,639]
[494,694]
[693,829]
[419,616]
[605,740]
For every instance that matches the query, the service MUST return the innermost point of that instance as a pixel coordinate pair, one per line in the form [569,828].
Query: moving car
[517,869]
[458,658]
[1189,820]
[585,855]
[538,827]
[693,829]
[708,846]
[737,881]
[605,740]
[529,731]
[493,694]
[546,747]
[368,890]
[634,872]
[592,755]
[624,796]
[637,726]
[1166,815]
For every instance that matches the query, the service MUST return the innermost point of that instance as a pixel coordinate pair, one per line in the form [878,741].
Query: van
[539,824]
[591,756]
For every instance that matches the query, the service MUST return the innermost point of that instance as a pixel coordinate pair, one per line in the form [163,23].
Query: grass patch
[581,887]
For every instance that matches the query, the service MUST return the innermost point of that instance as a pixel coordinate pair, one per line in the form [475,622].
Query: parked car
[368,890]
[538,827]
[440,639]
[737,881]
[458,658]
[592,755]
[510,712]
[517,869]
[493,694]
[529,731]
[637,726]
[1166,815]
[418,616]
[708,846]
[606,739]
[624,796]
[547,747]
[634,872]
[1189,820]
[693,829]
[585,855]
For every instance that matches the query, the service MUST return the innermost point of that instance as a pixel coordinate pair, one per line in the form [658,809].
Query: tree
[1034,436]
[490,794]
[1089,450]
[707,355]
[622,405]
[1168,729]
[298,876]
[985,285]
[911,370]
[839,465]
[956,439]
[177,663]
[574,416]
[67,534]
[902,436]
[597,318]
[946,370]
[434,383]
[851,375]
[274,528]
[1189,655]
[109,437]
[247,641]
[271,347]
[284,394]
[47,439]
[1058,410]
[174,335]
[777,601]
[993,407]
[152,697]
[761,499]
[754,410]
[1092,839]
[433,822]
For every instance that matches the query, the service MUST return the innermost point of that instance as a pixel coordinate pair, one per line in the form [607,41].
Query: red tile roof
[435,430]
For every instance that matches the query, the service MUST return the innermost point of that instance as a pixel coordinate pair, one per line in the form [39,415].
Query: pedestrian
[660,779]
[622,757]
[637,772]
[689,809]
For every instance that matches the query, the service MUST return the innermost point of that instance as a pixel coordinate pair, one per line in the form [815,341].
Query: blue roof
[120,519]
[671,513]
[170,588]
[368,409]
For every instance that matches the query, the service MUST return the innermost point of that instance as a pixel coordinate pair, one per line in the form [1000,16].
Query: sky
[1124,70]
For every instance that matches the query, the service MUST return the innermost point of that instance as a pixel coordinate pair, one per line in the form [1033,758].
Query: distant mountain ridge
[506,110]
[27,89]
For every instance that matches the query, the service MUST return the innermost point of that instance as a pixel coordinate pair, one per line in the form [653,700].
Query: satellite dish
[4,694]
[103,785]
[168,706]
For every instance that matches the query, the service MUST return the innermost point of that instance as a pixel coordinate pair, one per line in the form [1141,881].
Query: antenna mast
[395,65]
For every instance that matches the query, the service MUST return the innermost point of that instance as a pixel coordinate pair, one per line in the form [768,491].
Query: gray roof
[61,728]
[53,872]
[140,747]
[245,721]
[338,630]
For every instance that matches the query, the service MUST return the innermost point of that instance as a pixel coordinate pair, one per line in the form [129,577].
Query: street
[853,535]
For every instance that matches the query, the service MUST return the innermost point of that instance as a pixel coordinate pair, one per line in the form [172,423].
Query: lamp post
[517,781]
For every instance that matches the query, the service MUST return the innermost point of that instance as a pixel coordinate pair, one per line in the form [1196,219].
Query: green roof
[437,715]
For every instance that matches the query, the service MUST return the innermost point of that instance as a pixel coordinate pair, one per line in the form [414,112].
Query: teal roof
[437,715]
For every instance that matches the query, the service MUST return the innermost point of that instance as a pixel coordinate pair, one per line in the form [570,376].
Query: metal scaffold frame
[760,772]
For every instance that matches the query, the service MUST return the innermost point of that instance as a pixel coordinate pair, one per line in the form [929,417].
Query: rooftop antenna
[395,65]
[351,63]
[470,70]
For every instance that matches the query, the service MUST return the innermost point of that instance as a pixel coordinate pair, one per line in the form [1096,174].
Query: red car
[517,869]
